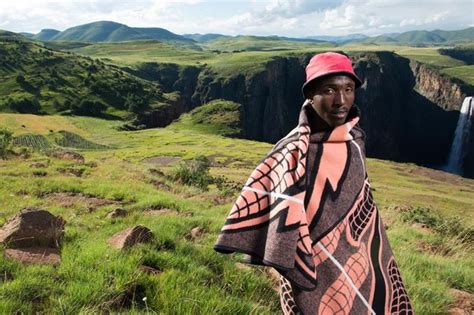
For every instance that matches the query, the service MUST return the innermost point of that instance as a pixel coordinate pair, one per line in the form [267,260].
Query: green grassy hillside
[36,79]
[107,31]
[228,56]
[428,215]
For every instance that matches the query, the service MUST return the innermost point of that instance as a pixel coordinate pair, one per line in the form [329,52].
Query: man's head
[330,86]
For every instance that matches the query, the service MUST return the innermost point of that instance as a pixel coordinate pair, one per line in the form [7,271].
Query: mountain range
[107,31]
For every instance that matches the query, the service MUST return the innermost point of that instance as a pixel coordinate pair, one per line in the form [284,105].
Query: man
[307,209]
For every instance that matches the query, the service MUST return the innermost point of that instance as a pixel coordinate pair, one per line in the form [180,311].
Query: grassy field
[249,54]
[132,171]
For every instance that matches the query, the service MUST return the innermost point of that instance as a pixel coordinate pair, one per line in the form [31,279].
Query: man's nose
[340,98]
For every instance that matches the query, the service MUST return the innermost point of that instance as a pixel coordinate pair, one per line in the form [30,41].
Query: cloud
[259,17]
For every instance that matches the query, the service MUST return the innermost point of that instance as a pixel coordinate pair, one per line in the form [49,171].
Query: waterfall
[461,137]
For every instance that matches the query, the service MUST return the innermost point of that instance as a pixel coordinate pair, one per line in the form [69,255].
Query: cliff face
[444,91]
[409,111]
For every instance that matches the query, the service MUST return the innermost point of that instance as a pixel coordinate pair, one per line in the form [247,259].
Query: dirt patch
[161,160]
[68,155]
[71,171]
[34,255]
[68,200]
[463,304]
[166,211]
[160,185]
[422,228]
[149,270]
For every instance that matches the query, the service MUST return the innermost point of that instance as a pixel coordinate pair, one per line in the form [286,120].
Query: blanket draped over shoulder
[307,211]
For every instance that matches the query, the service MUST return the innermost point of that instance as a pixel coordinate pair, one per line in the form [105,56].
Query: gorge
[409,110]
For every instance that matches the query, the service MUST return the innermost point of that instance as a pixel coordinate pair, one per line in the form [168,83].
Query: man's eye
[349,89]
[329,91]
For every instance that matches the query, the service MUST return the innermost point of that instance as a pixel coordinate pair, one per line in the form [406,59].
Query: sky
[293,18]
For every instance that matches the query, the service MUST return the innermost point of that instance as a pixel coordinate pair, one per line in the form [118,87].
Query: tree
[88,107]
[25,105]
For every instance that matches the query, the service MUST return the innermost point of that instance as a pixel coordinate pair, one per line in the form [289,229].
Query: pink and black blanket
[307,211]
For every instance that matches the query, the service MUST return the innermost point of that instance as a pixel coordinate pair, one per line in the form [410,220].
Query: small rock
[32,227]
[131,236]
[195,233]
[34,255]
[118,212]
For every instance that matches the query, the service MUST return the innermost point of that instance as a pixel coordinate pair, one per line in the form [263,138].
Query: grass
[465,73]
[246,54]
[193,278]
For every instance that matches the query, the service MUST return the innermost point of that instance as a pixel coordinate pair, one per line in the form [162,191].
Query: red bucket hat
[329,63]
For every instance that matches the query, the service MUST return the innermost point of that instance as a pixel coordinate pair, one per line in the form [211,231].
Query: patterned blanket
[307,211]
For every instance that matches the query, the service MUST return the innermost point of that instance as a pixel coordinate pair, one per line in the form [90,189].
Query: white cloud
[259,17]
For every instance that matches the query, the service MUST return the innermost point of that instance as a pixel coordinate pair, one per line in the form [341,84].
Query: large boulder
[131,236]
[32,227]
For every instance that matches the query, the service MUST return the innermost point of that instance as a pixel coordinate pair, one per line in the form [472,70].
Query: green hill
[106,31]
[220,117]
[36,79]
[418,37]
[427,214]
[46,34]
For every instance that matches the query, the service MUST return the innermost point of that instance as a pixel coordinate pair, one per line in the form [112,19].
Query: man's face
[332,97]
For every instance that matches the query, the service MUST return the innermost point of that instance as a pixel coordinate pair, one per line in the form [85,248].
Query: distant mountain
[406,38]
[27,35]
[46,34]
[106,31]
[381,39]
[203,38]
[419,37]
[339,39]
[465,35]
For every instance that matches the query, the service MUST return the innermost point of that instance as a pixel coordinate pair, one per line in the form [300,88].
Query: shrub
[5,141]
[25,105]
[194,173]
[88,107]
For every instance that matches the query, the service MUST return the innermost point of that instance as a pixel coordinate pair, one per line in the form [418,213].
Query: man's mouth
[339,114]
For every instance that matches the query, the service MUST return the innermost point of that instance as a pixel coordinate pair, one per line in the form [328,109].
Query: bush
[25,105]
[194,173]
[88,107]
[5,141]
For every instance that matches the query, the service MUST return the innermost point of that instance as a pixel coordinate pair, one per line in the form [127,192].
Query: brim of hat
[356,79]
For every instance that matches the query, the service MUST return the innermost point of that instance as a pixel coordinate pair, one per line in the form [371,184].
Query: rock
[195,233]
[118,212]
[131,236]
[34,255]
[32,227]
